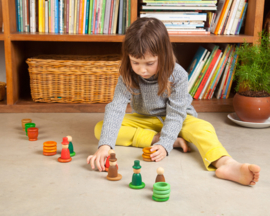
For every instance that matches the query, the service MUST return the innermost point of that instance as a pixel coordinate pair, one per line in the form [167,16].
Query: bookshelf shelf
[20,46]
[65,37]
[211,38]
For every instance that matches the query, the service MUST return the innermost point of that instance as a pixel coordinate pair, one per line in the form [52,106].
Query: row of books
[181,22]
[229,17]
[73,16]
[181,16]
[212,71]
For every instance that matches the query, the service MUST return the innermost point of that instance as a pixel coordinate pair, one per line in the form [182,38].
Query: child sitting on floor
[157,88]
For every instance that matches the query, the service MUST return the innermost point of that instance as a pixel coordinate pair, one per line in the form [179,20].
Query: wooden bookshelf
[20,46]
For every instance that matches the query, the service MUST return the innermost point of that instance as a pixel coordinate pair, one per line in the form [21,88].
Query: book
[93,16]
[97,16]
[124,17]
[75,16]
[211,74]
[231,80]
[102,17]
[222,16]
[116,16]
[90,16]
[203,70]
[225,16]
[176,16]
[242,18]
[46,16]
[237,16]
[207,74]
[111,15]
[87,16]
[71,17]
[232,16]
[61,16]
[195,61]
[84,17]
[219,72]
[120,17]
[56,16]
[107,17]
[220,7]
[145,7]
[214,76]
[193,69]
[32,16]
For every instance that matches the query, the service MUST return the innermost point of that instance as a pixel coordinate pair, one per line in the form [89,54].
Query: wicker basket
[73,79]
[2,91]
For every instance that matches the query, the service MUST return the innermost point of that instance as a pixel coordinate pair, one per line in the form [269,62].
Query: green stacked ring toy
[29,125]
[161,191]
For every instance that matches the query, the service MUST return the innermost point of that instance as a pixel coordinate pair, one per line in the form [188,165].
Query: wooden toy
[29,125]
[65,154]
[146,154]
[161,192]
[107,164]
[113,171]
[24,121]
[49,148]
[160,177]
[32,133]
[70,147]
[136,177]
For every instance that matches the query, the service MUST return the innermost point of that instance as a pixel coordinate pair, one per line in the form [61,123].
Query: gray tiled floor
[33,184]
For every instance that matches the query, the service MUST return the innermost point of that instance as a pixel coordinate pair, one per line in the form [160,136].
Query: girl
[156,86]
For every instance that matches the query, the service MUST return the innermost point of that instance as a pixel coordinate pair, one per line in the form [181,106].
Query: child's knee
[97,129]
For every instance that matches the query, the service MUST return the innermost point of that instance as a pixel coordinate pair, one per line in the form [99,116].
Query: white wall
[2,63]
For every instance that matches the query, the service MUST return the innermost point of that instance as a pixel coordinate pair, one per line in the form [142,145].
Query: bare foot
[181,143]
[230,169]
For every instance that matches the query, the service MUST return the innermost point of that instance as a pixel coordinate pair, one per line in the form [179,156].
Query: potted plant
[252,100]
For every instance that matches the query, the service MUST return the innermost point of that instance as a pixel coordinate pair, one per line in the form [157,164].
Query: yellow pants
[138,131]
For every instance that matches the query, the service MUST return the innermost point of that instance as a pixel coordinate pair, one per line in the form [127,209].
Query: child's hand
[99,157]
[159,154]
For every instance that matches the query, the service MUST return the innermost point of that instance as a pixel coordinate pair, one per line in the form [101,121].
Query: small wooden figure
[107,164]
[24,121]
[49,148]
[137,178]
[160,177]
[65,154]
[113,171]
[32,133]
[70,147]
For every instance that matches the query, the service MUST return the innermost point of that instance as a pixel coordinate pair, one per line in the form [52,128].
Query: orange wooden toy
[49,148]
[146,154]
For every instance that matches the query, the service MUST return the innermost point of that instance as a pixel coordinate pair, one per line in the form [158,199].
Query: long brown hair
[148,35]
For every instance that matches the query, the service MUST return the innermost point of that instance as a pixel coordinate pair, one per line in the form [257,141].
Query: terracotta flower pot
[32,133]
[252,109]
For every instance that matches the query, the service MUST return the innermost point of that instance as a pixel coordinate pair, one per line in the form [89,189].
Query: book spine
[237,16]
[17,15]
[23,15]
[71,17]
[234,10]
[75,16]
[27,27]
[40,16]
[96,16]
[111,14]
[78,16]
[46,17]
[99,16]
[33,16]
[120,17]
[243,17]
[50,15]
[124,17]
[102,16]
[93,17]
[84,17]
[230,85]
[87,17]
[53,16]
[56,17]
[61,15]
[67,17]
[90,16]
[116,16]
[113,17]
[107,17]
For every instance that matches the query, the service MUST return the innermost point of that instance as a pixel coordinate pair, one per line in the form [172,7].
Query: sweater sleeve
[175,110]
[114,114]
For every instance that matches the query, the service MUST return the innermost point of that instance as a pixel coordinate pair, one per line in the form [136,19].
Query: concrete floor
[33,184]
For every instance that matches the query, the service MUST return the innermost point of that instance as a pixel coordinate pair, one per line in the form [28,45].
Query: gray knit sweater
[175,107]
